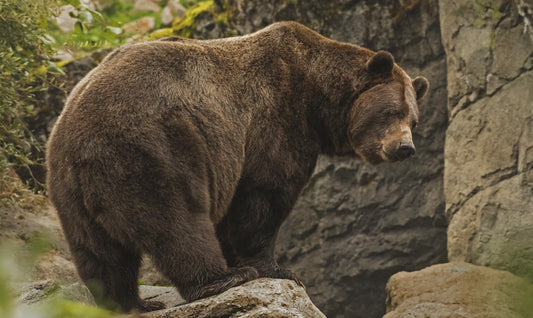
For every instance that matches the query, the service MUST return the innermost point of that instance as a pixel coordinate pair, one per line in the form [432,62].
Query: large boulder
[459,290]
[489,143]
[275,298]
[259,298]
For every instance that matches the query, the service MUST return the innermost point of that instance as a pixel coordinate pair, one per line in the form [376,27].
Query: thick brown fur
[194,152]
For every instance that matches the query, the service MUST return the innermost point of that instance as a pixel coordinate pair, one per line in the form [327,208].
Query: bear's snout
[405,150]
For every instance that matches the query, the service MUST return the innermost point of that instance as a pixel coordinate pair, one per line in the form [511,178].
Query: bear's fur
[195,152]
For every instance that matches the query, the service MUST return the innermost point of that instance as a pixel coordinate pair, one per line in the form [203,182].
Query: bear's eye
[413,125]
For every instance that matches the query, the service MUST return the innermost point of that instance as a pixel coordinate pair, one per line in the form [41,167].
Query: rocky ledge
[259,298]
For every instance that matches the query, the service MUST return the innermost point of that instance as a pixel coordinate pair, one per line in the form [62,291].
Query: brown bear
[194,152]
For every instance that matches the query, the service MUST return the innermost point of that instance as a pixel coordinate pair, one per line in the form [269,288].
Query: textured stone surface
[489,144]
[482,141]
[495,228]
[458,290]
[356,225]
[140,26]
[47,290]
[258,298]
[167,295]
[20,227]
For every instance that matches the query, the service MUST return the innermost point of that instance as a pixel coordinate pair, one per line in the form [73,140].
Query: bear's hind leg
[110,271]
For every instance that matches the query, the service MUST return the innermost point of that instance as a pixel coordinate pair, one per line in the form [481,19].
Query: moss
[483,11]
[63,63]
[187,24]
[483,14]
[161,33]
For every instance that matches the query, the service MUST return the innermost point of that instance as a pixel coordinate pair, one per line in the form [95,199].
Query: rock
[489,143]
[176,8]
[512,47]
[77,292]
[166,16]
[150,275]
[63,20]
[356,225]
[20,226]
[259,298]
[167,295]
[172,10]
[57,267]
[495,228]
[458,290]
[140,26]
[38,293]
[146,5]
[482,141]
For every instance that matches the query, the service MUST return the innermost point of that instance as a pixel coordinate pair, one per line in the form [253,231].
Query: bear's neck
[332,77]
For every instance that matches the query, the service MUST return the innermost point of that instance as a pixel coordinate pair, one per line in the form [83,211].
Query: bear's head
[382,117]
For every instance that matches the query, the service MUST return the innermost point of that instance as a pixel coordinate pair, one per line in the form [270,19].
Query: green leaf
[53,68]
[97,14]
[86,17]
[79,27]
[75,3]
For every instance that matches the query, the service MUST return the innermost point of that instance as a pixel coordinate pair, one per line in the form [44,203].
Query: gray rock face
[354,225]
[459,290]
[167,295]
[46,291]
[274,298]
[489,144]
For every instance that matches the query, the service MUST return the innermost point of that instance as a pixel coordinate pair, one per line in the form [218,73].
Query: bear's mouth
[390,157]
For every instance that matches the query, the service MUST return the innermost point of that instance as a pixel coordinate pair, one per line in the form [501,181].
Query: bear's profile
[194,152]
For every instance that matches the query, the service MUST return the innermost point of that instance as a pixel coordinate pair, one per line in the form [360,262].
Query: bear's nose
[405,149]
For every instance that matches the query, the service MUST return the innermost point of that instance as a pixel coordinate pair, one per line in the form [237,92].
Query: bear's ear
[381,63]
[421,86]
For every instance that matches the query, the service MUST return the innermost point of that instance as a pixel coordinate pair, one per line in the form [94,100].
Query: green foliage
[102,28]
[189,3]
[69,309]
[186,25]
[15,264]
[24,48]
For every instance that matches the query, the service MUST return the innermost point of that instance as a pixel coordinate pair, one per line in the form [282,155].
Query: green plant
[16,262]
[189,3]
[25,48]
[99,28]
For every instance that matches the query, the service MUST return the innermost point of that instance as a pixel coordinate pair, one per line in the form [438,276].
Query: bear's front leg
[248,232]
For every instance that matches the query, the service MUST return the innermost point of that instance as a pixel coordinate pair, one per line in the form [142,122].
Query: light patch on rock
[458,290]
[273,298]
[146,5]
[141,25]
